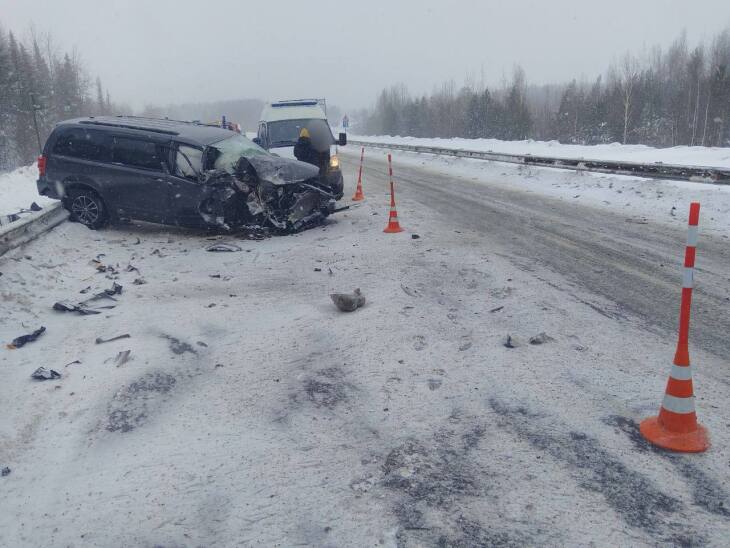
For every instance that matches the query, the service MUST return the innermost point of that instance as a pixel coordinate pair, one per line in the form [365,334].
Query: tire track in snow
[631,495]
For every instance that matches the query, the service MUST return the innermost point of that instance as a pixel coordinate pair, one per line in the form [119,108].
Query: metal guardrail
[31,226]
[657,170]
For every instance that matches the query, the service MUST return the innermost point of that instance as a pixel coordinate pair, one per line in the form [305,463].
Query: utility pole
[36,108]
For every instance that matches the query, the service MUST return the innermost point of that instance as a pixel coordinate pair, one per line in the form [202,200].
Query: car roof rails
[145,124]
[157,125]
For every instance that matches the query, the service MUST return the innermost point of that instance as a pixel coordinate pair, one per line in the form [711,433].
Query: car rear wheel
[87,208]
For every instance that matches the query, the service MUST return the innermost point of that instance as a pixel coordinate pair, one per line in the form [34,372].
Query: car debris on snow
[122,358]
[497,309]
[18,342]
[104,269]
[510,342]
[43,374]
[223,247]
[82,307]
[66,306]
[139,281]
[348,302]
[5,471]
[541,338]
[99,340]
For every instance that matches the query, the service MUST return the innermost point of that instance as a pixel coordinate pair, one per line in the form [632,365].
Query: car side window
[188,162]
[84,144]
[137,153]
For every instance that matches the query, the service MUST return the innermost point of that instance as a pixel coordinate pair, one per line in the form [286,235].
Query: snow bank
[18,190]
[682,155]
[640,200]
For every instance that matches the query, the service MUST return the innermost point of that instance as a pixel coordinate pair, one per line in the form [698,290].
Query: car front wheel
[87,207]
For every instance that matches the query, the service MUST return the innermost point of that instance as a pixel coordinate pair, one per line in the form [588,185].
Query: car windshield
[229,151]
[286,132]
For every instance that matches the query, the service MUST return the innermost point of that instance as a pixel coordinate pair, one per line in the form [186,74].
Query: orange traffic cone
[358,191]
[393,225]
[676,427]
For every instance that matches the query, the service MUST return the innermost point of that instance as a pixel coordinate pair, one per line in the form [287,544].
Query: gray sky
[178,51]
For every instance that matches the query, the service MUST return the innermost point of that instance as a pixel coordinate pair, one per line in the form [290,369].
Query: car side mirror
[342,141]
[257,140]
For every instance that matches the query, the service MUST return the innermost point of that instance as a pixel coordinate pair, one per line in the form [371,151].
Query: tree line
[677,96]
[39,86]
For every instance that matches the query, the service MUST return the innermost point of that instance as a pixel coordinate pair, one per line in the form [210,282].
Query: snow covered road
[253,413]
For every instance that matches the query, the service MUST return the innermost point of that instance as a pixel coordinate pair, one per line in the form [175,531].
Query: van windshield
[226,153]
[286,132]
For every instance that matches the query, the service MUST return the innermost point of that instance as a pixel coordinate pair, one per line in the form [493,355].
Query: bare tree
[628,78]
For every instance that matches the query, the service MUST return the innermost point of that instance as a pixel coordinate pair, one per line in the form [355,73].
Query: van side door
[186,188]
[141,179]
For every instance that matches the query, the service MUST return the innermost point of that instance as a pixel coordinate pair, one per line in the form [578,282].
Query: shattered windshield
[286,132]
[227,152]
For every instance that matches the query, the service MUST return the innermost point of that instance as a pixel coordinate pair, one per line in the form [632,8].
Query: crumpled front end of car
[266,192]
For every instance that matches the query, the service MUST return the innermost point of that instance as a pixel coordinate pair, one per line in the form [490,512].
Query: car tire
[87,207]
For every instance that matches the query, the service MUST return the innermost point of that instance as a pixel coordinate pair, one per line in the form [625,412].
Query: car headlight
[334,162]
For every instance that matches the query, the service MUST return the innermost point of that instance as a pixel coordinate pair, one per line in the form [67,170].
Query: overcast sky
[159,51]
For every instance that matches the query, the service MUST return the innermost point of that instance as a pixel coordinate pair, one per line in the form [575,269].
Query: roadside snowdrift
[639,200]
[18,190]
[682,155]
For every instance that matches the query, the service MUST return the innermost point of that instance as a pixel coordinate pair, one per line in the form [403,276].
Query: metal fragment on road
[225,247]
[122,358]
[43,374]
[99,340]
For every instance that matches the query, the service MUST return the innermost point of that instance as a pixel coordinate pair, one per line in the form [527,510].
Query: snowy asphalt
[634,266]
[253,413]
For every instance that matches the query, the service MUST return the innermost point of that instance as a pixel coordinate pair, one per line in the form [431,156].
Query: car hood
[281,171]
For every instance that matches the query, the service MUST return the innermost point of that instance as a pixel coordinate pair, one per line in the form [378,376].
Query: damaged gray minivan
[177,173]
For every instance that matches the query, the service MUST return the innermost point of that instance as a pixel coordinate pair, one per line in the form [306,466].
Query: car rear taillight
[41,165]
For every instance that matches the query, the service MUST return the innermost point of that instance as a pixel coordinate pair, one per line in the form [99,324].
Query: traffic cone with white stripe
[676,427]
[358,191]
[393,225]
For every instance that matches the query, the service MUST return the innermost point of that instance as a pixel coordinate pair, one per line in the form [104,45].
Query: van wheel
[87,207]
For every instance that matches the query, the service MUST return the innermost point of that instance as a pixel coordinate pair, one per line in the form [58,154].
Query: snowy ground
[253,413]
[681,155]
[18,190]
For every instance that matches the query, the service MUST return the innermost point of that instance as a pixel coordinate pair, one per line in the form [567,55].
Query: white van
[280,126]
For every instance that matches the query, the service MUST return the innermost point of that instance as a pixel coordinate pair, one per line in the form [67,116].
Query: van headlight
[334,162]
